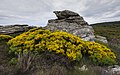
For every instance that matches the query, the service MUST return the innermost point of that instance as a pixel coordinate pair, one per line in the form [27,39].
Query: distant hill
[108,23]
[110,30]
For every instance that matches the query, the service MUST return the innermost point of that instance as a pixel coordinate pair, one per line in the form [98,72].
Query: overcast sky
[38,12]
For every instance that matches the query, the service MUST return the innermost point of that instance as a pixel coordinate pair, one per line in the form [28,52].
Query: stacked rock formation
[73,23]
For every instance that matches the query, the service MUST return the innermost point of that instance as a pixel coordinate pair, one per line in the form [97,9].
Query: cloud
[38,12]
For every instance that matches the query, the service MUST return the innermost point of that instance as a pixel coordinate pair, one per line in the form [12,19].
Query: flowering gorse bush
[5,37]
[98,53]
[62,43]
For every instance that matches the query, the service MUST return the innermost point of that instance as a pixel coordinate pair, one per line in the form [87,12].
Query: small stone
[115,70]
[83,68]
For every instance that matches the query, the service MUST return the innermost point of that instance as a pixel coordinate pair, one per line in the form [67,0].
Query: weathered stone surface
[101,39]
[11,29]
[114,70]
[83,68]
[73,23]
[65,14]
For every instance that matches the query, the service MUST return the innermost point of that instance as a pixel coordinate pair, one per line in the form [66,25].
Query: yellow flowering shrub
[98,53]
[5,37]
[38,40]
[63,43]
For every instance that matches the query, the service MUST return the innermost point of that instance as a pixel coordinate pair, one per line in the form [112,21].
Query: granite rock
[101,39]
[73,23]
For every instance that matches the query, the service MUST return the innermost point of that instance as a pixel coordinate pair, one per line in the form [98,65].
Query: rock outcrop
[101,39]
[11,29]
[73,23]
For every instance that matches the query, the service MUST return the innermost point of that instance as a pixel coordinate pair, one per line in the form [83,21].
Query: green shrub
[5,37]
[62,43]
[13,61]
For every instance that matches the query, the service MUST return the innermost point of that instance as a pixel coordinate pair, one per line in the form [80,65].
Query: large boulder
[73,23]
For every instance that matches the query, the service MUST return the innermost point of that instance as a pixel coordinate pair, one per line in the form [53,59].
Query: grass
[3,52]
[110,31]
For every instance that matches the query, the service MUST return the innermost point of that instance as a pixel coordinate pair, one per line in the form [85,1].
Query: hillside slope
[110,30]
